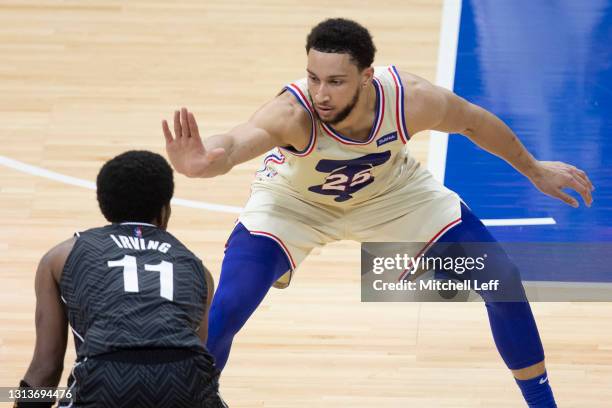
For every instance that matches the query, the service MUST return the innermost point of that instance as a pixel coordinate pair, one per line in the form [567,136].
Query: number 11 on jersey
[130,275]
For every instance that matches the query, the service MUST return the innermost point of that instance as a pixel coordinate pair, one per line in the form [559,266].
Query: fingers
[573,183]
[558,176]
[167,133]
[193,125]
[566,198]
[185,126]
[580,182]
[184,123]
[584,177]
[178,132]
[583,188]
[577,180]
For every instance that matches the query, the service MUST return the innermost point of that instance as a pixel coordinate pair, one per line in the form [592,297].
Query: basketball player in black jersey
[136,300]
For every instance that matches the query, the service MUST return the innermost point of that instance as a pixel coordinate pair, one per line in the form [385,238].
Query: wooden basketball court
[83,81]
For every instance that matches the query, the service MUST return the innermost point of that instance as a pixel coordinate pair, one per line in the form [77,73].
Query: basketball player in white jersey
[337,168]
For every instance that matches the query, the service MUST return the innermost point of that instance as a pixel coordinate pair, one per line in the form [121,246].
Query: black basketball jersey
[132,285]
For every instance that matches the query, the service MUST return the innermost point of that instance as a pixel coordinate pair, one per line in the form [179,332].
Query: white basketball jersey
[336,170]
[338,188]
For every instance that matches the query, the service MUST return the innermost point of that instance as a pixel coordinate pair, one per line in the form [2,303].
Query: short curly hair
[134,186]
[339,35]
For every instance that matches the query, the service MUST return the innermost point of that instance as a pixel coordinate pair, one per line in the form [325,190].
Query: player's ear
[366,76]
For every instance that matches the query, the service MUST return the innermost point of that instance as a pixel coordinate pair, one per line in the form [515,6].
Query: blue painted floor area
[545,68]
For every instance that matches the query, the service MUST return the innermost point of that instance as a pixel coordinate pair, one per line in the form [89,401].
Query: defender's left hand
[552,177]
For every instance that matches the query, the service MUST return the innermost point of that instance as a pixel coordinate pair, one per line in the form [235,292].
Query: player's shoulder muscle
[285,120]
[55,259]
[424,102]
[417,89]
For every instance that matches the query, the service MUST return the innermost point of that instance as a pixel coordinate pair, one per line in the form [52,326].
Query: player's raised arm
[280,122]
[432,107]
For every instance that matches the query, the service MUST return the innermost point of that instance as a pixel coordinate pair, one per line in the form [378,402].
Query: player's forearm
[221,165]
[241,144]
[43,376]
[493,135]
[216,168]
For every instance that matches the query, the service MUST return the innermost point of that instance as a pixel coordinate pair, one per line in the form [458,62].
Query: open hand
[552,177]
[186,150]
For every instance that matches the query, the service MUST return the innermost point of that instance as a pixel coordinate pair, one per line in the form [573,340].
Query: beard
[343,114]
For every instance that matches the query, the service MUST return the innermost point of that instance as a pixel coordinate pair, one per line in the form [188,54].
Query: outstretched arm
[281,122]
[430,107]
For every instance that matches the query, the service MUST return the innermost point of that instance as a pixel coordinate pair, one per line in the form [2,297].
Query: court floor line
[62,178]
[445,77]
[510,222]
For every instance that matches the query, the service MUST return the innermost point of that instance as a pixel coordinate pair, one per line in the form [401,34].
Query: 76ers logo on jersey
[348,176]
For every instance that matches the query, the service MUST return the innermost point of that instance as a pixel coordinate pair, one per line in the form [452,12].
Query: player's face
[334,84]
